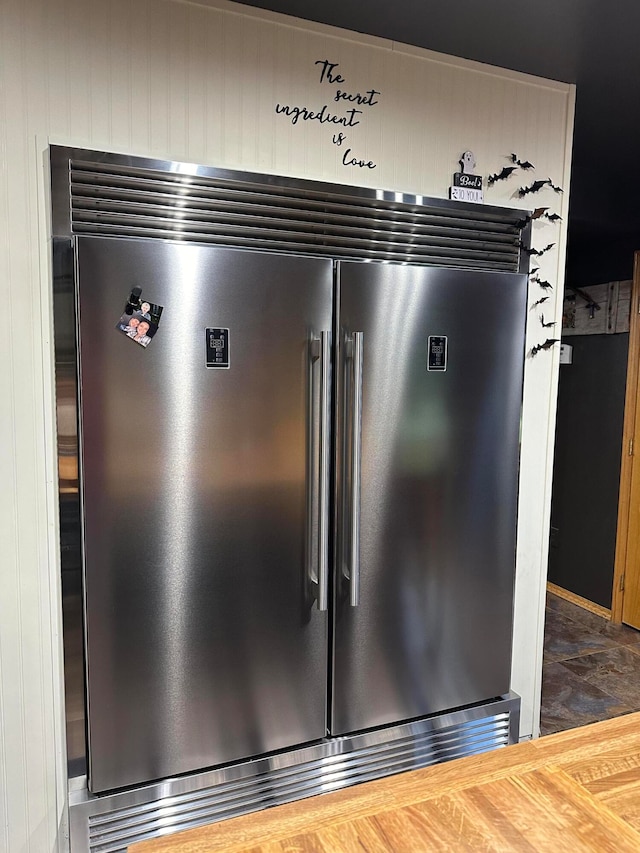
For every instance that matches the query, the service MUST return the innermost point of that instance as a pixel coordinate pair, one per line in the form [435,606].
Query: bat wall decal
[524,164]
[546,325]
[539,252]
[546,345]
[539,212]
[545,285]
[539,302]
[501,176]
[535,187]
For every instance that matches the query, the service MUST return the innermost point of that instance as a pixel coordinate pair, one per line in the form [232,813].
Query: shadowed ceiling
[591,43]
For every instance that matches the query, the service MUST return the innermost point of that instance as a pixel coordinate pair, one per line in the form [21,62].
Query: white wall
[199,83]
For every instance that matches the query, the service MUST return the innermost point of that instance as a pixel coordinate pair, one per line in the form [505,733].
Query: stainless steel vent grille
[113,831]
[270,214]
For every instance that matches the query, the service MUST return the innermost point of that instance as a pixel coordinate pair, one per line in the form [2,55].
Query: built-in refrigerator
[305,530]
[288,436]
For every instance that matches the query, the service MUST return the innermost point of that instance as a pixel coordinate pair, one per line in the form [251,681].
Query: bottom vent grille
[259,784]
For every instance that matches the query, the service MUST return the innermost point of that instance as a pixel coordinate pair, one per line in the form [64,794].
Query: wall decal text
[350,118]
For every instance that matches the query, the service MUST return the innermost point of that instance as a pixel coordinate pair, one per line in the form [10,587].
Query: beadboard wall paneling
[199,83]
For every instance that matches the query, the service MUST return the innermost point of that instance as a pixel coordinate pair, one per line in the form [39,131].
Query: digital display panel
[217,347]
[437,353]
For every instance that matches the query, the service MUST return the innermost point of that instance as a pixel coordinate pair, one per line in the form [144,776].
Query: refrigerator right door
[429,393]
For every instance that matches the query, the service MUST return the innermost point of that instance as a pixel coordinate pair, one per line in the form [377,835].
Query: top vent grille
[120,200]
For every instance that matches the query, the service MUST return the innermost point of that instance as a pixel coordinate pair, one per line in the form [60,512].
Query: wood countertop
[574,791]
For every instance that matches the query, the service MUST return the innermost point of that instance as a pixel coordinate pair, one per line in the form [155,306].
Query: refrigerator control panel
[437,357]
[217,347]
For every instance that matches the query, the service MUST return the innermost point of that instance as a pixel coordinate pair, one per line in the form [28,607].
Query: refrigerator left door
[204,641]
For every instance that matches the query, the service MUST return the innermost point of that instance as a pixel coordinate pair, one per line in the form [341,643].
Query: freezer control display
[217,347]
[437,356]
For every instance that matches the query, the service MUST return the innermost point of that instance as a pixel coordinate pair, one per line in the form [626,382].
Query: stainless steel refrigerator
[309,536]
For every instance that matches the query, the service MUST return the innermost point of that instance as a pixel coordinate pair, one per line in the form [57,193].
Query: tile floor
[591,668]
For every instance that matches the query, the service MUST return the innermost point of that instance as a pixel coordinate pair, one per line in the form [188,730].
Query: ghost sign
[467,186]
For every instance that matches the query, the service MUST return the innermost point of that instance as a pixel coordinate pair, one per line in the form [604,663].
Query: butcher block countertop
[574,791]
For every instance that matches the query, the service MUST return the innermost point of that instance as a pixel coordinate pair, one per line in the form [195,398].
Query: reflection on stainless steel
[108,824]
[438,494]
[69,503]
[177,499]
[201,646]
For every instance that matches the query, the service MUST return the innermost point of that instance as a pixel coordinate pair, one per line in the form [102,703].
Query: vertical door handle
[356,466]
[324,474]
